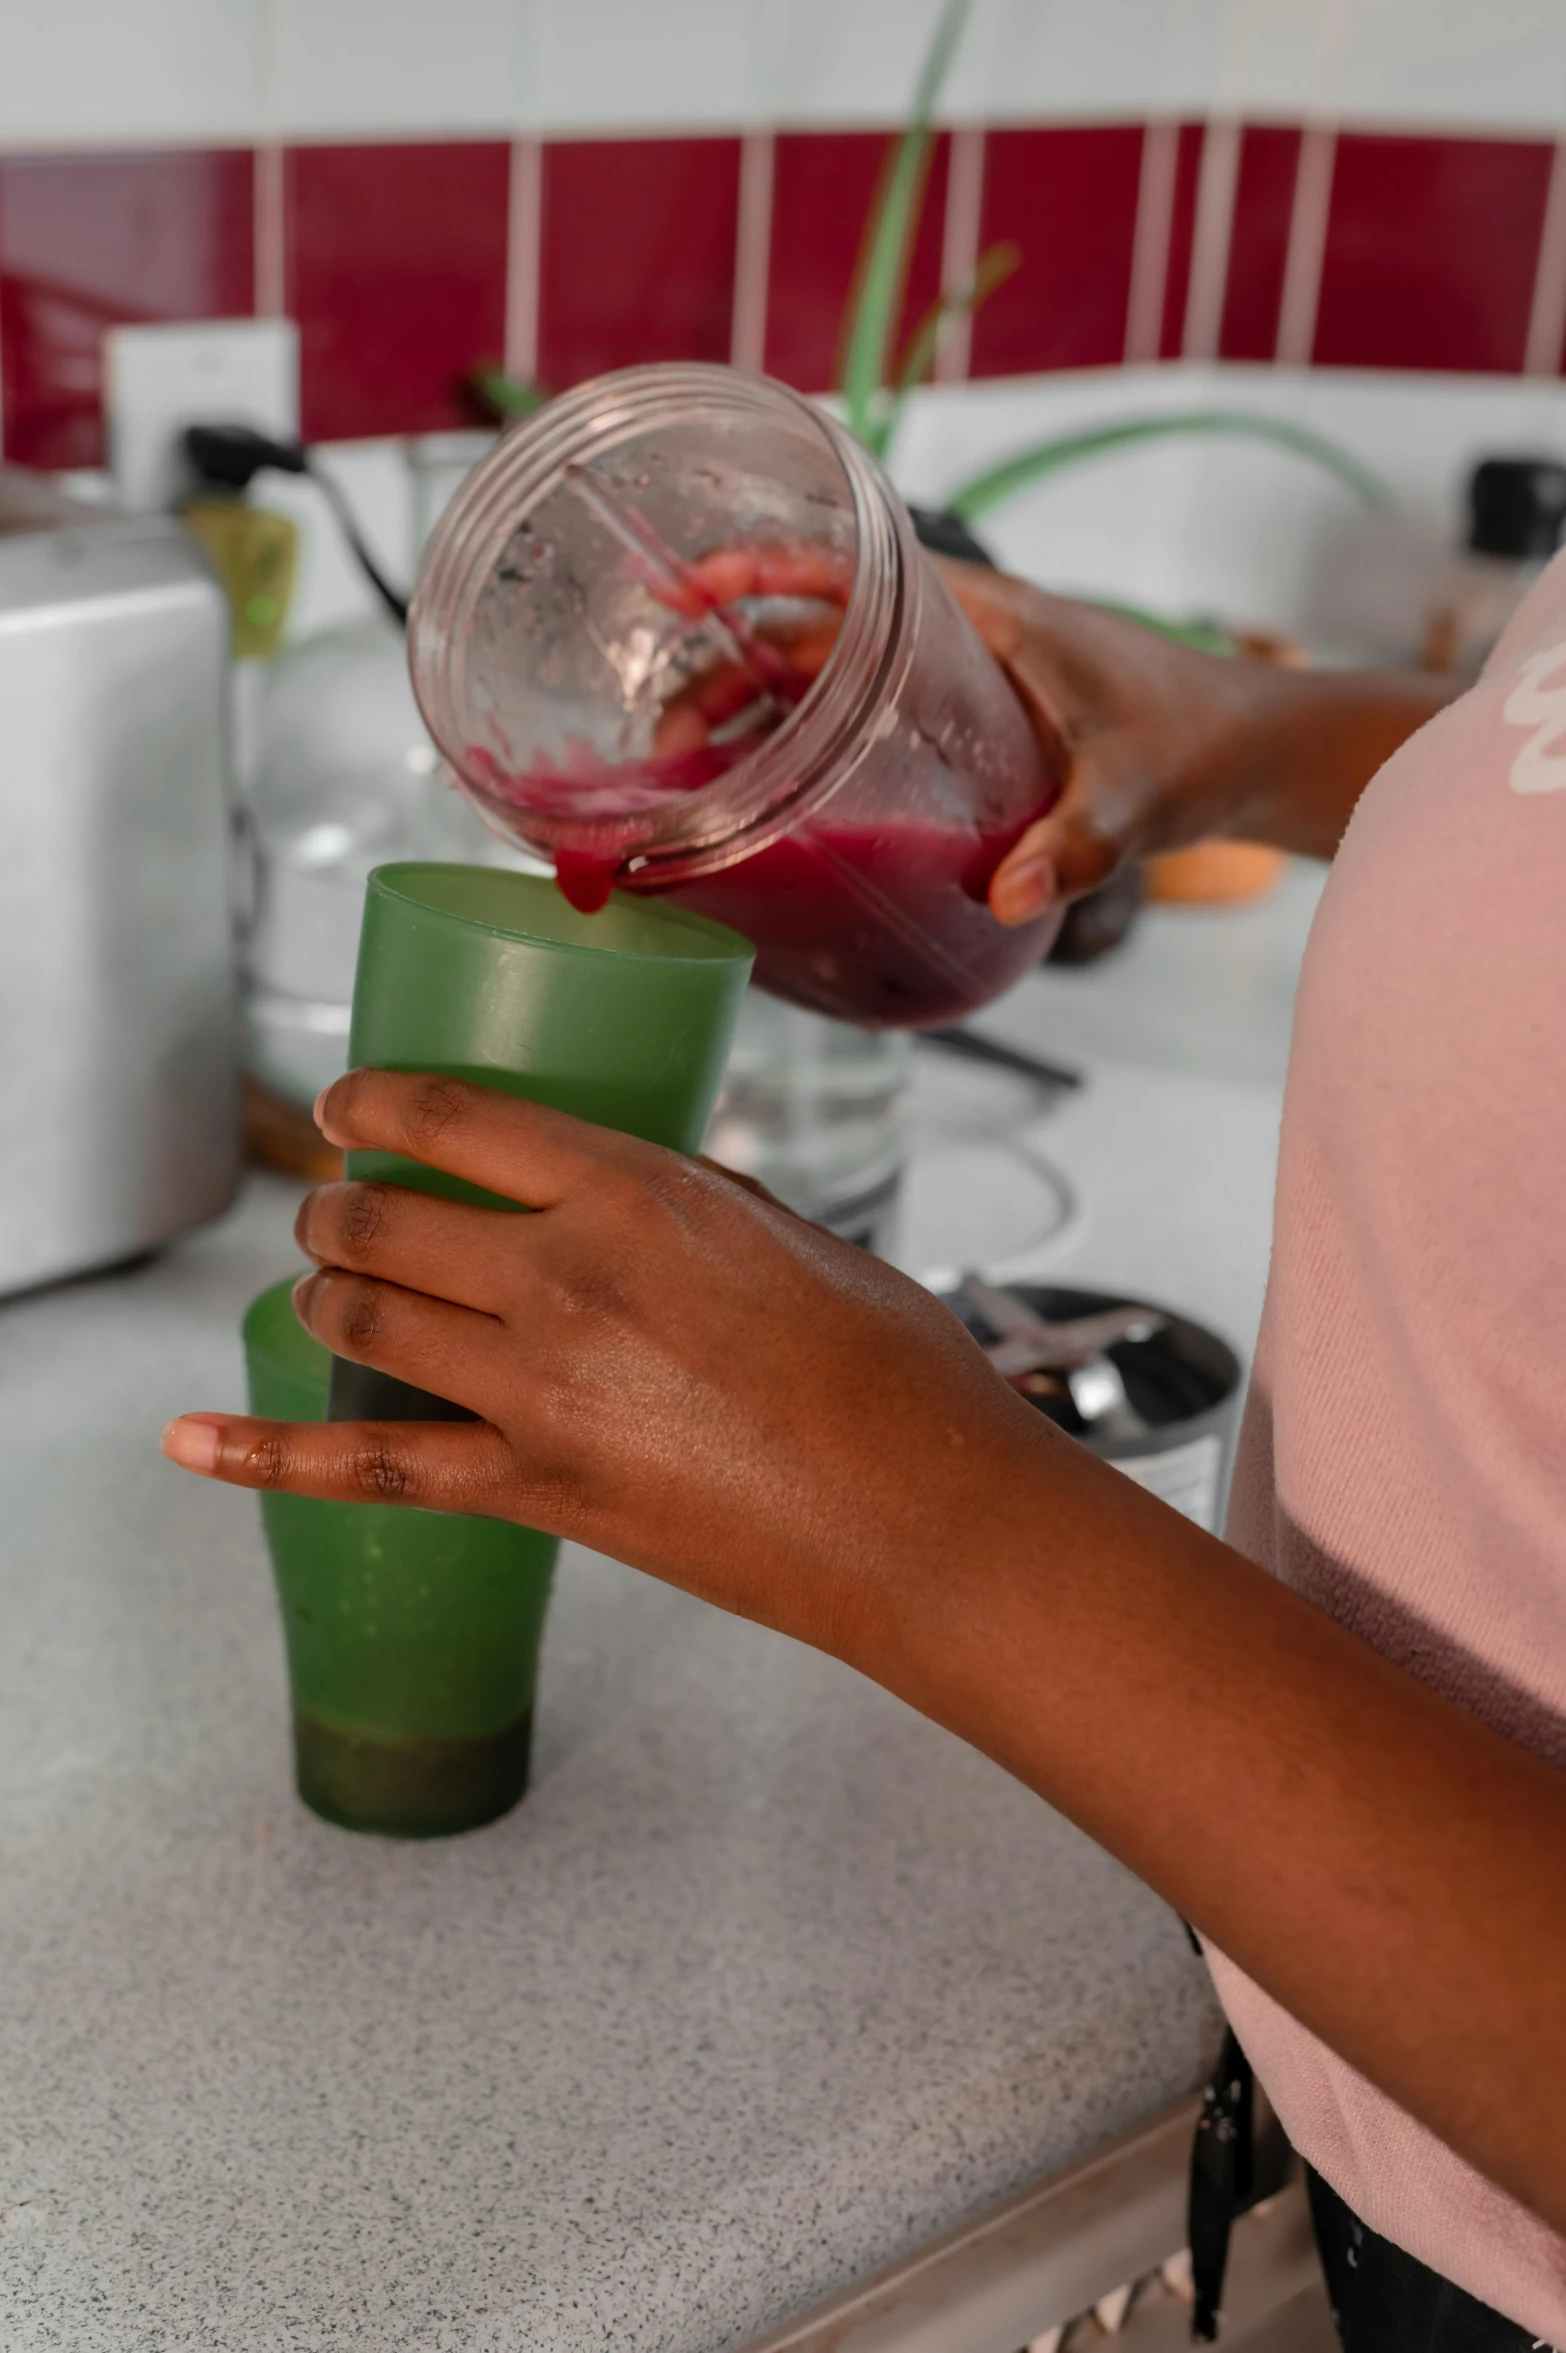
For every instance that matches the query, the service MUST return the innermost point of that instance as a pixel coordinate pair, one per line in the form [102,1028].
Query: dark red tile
[396,272]
[637,259]
[93,241]
[1182,234]
[1259,241]
[824,185]
[1067,197]
[1431,251]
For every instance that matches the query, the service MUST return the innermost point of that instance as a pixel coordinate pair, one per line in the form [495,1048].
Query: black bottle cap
[1516,508]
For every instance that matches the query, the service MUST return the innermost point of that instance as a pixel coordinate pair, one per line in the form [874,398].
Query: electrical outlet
[160,379]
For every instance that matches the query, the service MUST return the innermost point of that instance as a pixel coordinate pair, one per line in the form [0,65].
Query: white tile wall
[638,65]
[1233,530]
[132,71]
[1042,60]
[392,68]
[1456,61]
[126,72]
[844,61]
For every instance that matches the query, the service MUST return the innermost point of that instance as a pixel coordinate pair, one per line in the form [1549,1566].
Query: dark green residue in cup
[413,1637]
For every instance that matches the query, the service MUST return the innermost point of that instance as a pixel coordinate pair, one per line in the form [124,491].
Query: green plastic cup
[412,1636]
[623,1018]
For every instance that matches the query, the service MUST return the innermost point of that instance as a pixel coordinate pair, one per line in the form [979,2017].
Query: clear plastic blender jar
[677,635]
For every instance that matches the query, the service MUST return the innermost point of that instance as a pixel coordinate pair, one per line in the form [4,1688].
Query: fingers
[418,1240]
[1062,856]
[448,1351]
[514,1148]
[1053,650]
[1025,881]
[440,1466]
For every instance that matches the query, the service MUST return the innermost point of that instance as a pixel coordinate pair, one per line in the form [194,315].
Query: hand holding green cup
[623,1018]
[413,1637]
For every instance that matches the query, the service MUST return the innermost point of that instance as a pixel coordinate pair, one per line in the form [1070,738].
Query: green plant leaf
[883,260]
[984,492]
[991,270]
[958,302]
[504,395]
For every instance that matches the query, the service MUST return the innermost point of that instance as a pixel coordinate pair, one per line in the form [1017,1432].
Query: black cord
[971,1047]
[230,456]
[396,605]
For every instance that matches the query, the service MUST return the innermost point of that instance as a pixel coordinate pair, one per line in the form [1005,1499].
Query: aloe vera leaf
[990,489]
[958,302]
[882,270]
[991,270]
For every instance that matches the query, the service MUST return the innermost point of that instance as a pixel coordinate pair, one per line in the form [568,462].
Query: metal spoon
[1028,1344]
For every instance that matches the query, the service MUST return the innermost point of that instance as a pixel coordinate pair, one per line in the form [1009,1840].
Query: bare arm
[760,1414]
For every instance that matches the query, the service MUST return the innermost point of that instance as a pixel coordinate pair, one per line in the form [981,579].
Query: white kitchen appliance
[119,1107]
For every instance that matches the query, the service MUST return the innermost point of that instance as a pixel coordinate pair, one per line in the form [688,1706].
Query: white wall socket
[158,380]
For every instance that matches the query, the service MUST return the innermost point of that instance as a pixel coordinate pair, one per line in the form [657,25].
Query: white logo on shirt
[1540,767]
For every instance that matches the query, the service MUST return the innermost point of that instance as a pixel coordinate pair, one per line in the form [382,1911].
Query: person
[1336,1741]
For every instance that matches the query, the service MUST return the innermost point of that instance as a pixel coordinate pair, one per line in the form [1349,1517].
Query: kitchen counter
[767,1983]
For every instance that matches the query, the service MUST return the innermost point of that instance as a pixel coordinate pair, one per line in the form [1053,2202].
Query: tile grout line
[1155,197]
[1216,188]
[270,233]
[1307,245]
[960,243]
[753,251]
[524,236]
[1547,313]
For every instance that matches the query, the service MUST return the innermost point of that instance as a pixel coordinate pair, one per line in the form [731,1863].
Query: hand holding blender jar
[676,634]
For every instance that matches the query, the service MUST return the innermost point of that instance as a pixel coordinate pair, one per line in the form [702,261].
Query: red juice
[880,923]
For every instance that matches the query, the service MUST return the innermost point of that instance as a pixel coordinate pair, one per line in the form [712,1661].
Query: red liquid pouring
[885,924]
[880,920]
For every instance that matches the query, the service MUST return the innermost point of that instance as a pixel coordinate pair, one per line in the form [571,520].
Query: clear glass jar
[345,778]
[651,547]
[818,1111]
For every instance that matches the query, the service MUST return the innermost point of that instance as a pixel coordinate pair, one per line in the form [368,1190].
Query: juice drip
[584,881]
[873,918]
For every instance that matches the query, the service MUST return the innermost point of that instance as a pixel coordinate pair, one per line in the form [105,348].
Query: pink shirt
[1404,1455]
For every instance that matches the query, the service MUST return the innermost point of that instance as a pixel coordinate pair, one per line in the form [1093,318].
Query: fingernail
[194,1441]
[316,1113]
[1024,890]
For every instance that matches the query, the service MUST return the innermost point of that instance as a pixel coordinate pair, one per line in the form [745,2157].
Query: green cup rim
[710,942]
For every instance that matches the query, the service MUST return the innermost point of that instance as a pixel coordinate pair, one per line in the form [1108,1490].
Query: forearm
[772,1420]
[1389,1870]
[1303,745]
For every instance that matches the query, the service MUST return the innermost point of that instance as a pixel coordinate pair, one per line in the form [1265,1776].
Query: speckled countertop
[767,1982]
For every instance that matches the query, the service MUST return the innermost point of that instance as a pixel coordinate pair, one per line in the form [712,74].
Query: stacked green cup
[413,1636]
